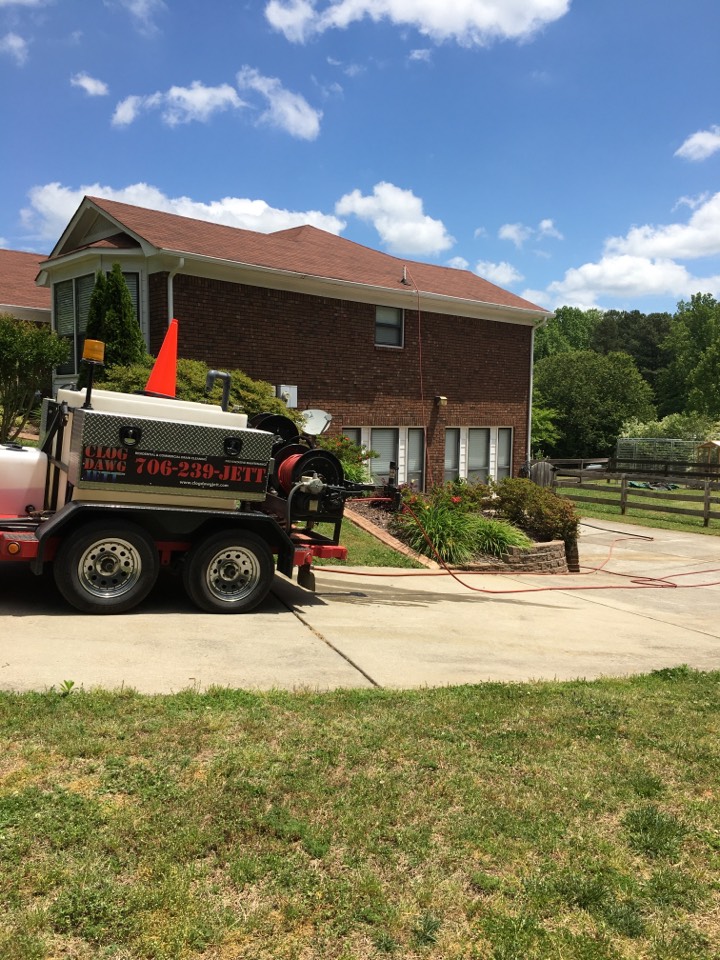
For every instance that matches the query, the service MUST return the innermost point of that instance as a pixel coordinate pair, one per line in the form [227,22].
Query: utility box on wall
[288,394]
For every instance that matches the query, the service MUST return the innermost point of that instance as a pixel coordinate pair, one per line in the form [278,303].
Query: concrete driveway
[385,628]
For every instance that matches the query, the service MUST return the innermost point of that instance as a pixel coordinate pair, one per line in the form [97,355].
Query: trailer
[122,485]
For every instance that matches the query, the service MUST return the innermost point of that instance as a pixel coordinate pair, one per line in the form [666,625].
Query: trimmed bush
[247,395]
[540,513]
[352,456]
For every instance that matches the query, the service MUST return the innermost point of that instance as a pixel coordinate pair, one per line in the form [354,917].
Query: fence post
[706,505]
[623,494]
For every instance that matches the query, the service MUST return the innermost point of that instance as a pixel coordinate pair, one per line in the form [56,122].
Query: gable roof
[305,251]
[17,282]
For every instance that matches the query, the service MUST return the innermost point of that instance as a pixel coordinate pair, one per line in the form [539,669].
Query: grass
[636,515]
[365,550]
[574,821]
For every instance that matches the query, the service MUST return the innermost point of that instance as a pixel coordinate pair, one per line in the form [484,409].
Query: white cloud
[286,110]
[625,277]
[91,86]
[547,228]
[22,3]
[398,217]
[699,237]
[692,202]
[519,233]
[700,145]
[503,274]
[420,56]
[458,263]
[479,232]
[52,205]
[468,22]
[15,47]
[4,244]
[179,104]
[644,262]
[143,13]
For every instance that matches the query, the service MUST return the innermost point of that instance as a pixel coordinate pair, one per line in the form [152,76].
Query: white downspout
[530,400]
[170,299]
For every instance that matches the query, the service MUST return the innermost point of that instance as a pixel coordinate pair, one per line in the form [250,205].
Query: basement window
[388,327]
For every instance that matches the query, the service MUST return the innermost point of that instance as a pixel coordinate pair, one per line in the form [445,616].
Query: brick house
[430,366]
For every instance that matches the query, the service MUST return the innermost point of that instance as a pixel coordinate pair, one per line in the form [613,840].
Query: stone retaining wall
[540,558]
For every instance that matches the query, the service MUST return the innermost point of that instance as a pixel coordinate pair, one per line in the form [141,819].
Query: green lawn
[364,550]
[636,515]
[500,821]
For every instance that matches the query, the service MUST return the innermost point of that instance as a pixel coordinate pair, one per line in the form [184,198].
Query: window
[71,300]
[452,454]
[384,441]
[416,458]
[504,453]
[354,434]
[388,327]
[478,455]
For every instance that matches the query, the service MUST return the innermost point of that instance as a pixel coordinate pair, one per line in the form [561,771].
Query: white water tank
[22,480]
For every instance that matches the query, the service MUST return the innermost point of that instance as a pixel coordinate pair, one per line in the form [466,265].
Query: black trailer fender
[166,523]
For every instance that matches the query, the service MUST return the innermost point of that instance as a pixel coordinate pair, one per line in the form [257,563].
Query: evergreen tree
[112,319]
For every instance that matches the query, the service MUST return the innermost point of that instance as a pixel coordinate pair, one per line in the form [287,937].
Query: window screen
[384,441]
[504,452]
[416,458]
[478,455]
[452,454]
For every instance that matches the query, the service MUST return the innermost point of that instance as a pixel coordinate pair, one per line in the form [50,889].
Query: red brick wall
[326,347]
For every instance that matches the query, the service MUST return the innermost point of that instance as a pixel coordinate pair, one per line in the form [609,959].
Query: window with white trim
[354,434]
[388,327]
[415,459]
[385,442]
[478,454]
[451,469]
[478,458]
[503,466]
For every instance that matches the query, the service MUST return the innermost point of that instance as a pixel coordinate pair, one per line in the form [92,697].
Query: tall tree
[593,395]
[112,319]
[639,334]
[570,329]
[692,348]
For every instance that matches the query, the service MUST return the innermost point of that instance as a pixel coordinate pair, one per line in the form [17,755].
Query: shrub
[27,355]
[352,456]
[247,395]
[539,512]
[495,537]
[450,532]
[455,535]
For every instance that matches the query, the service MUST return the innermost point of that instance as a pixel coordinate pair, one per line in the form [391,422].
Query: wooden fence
[624,491]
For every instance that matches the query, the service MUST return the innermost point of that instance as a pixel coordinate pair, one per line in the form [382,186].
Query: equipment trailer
[122,485]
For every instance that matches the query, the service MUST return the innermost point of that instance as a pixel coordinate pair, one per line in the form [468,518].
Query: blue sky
[568,150]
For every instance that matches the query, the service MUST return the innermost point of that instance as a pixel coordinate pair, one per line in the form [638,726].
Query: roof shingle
[306,251]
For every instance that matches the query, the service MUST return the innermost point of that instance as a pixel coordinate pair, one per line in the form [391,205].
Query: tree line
[601,374]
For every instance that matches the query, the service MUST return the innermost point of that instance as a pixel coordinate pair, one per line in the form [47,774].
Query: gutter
[170,299]
[536,317]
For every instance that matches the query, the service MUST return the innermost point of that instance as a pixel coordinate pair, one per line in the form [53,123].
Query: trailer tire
[106,567]
[229,572]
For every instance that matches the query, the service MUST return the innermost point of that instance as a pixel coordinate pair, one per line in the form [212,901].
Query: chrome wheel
[109,568]
[232,574]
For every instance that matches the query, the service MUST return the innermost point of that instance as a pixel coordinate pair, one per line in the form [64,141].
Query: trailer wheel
[229,572]
[106,567]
